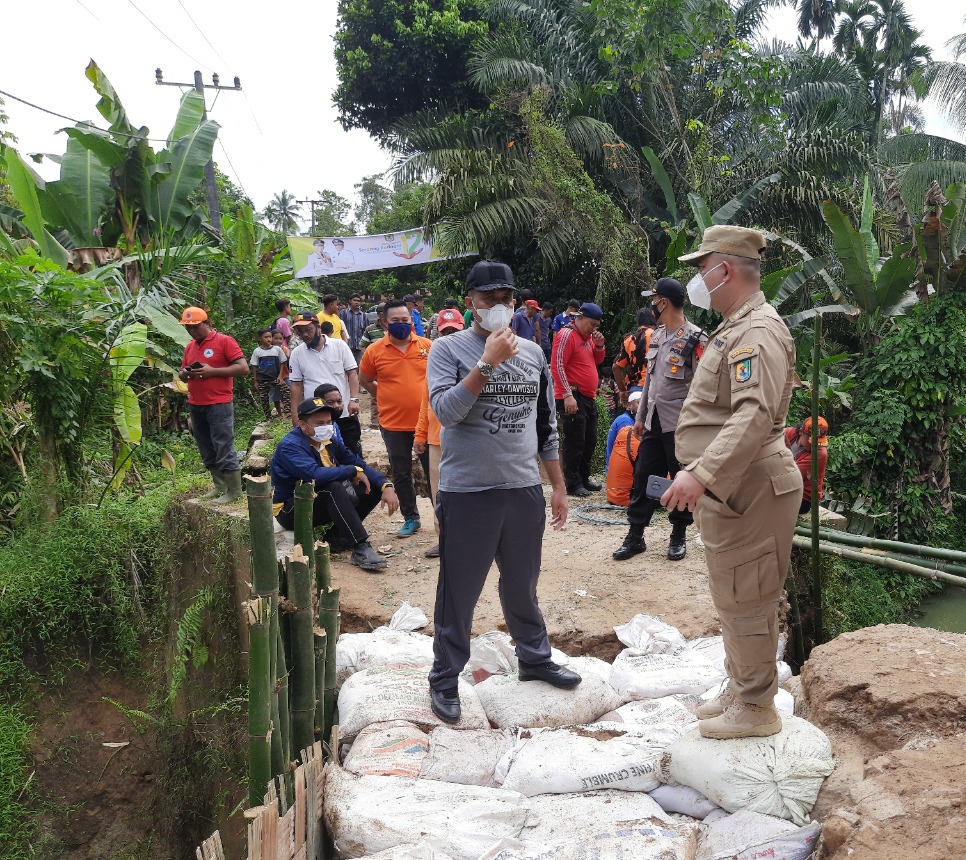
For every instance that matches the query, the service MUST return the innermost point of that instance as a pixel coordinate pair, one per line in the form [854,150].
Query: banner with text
[321,257]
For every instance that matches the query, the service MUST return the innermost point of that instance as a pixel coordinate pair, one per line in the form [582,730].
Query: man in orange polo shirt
[209,364]
[394,371]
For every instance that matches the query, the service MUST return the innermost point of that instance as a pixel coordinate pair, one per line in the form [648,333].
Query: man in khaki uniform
[738,474]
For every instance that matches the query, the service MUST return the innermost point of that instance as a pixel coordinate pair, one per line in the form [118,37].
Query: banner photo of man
[332,255]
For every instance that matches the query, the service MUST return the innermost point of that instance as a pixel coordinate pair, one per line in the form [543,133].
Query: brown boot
[742,720]
[716,706]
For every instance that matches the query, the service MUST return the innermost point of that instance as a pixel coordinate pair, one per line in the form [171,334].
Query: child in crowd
[283,324]
[278,393]
[267,361]
[350,430]
[607,389]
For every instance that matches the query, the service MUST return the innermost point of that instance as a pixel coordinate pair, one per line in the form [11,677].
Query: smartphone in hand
[656,487]
[195,365]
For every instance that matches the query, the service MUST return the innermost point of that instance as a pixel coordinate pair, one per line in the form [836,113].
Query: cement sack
[557,817]
[712,649]
[419,851]
[366,814]
[396,748]
[510,702]
[651,676]
[466,756]
[661,720]
[581,758]
[684,800]
[780,775]
[640,841]
[649,635]
[494,653]
[750,835]
[383,647]
[381,695]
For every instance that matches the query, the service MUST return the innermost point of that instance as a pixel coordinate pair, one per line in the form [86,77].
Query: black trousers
[333,505]
[654,457]
[502,525]
[579,439]
[214,430]
[399,447]
[351,431]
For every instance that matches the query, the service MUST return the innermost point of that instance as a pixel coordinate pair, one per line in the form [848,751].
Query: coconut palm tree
[947,82]
[282,212]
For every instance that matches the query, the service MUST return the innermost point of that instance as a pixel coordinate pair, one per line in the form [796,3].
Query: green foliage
[16,827]
[188,640]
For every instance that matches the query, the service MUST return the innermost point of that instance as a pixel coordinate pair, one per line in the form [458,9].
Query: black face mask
[657,313]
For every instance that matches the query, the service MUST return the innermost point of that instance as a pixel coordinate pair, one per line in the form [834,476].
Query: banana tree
[941,237]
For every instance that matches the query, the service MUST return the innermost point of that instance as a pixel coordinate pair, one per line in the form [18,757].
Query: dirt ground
[583,592]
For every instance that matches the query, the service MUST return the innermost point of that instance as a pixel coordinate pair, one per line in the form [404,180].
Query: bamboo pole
[284,717]
[878,543]
[798,638]
[258,613]
[261,525]
[304,530]
[880,561]
[329,620]
[302,705]
[323,568]
[278,756]
[816,560]
[320,637]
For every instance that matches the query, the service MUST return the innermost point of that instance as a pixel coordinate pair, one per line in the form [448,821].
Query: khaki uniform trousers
[748,545]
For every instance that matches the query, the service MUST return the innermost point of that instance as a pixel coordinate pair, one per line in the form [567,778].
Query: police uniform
[671,361]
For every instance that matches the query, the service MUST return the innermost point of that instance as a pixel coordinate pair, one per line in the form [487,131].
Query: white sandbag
[651,676]
[557,817]
[641,840]
[366,814]
[466,756]
[682,799]
[715,815]
[780,775]
[784,701]
[419,851]
[408,618]
[663,720]
[649,635]
[582,758]
[396,748]
[494,653]
[510,702]
[784,671]
[383,694]
[750,835]
[385,646]
[711,648]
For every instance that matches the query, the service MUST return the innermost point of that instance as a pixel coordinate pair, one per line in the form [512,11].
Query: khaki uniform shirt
[736,407]
[669,374]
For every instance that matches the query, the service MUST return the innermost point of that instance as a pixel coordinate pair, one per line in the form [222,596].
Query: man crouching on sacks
[738,475]
[493,396]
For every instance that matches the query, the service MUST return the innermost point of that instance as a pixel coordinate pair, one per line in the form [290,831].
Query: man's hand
[361,480]
[419,448]
[638,430]
[206,371]
[570,404]
[558,508]
[684,492]
[389,501]
[353,408]
[598,339]
[500,346]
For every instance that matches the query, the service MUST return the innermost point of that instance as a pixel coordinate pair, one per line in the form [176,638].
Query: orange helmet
[822,429]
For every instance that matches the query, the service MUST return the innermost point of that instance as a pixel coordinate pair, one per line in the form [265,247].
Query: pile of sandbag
[613,768]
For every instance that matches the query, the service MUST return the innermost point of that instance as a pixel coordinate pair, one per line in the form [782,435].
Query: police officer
[672,356]
[738,474]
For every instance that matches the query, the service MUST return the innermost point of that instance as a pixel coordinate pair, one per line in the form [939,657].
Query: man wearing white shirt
[341,258]
[319,359]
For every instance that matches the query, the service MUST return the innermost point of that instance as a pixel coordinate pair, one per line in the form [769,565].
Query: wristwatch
[484,368]
[353,399]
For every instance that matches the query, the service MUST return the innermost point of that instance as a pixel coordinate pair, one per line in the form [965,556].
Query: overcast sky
[281,132]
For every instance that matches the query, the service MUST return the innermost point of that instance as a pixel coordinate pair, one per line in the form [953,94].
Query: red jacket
[573,363]
[803,459]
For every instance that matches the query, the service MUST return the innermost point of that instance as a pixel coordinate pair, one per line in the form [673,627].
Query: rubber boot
[716,706]
[633,544]
[677,547]
[233,488]
[742,720]
[218,479]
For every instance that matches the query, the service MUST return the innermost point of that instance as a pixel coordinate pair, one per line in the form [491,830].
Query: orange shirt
[620,469]
[428,427]
[400,380]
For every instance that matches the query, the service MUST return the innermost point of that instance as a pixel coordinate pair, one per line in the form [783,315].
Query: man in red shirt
[799,440]
[210,362]
[577,350]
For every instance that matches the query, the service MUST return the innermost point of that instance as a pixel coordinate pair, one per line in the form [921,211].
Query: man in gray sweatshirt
[493,396]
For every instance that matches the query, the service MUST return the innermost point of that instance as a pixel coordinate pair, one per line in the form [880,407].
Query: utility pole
[211,189]
[312,204]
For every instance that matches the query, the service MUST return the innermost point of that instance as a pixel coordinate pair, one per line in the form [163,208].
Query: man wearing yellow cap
[209,364]
[739,476]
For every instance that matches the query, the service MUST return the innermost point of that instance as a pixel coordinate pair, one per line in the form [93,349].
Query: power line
[252,112]
[88,11]
[202,32]
[166,36]
[234,170]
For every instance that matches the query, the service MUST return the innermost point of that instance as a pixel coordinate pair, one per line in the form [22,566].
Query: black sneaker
[580,491]
[593,486]
[367,558]
[633,545]
[550,672]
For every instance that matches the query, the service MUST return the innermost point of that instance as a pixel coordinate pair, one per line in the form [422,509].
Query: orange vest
[620,469]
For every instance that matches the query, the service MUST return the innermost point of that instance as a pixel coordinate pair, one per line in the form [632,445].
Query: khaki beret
[723,239]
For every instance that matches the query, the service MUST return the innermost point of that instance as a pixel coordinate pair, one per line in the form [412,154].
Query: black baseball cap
[490,275]
[669,288]
[311,405]
[305,317]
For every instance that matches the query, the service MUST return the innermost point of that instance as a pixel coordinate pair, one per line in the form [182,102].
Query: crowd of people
[486,391]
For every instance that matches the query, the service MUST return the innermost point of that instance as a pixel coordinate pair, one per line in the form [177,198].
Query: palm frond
[947,88]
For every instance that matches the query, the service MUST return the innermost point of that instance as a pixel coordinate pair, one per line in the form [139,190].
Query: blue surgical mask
[400,330]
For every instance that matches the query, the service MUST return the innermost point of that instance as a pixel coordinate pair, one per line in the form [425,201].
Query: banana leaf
[109,106]
[727,213]
[190,112]
[702,214]
[25,184]
[83,192]
[664,182]
[127,415]
[865,228]
[166,324]
[796,319]
[187,158]
[852,252]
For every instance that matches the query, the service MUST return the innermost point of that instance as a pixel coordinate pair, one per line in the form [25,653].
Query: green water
[944,611]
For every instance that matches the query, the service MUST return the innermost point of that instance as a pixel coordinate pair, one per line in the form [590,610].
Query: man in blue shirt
[347,490]
[625,419]
[415,305]
[524,321]
[562,319]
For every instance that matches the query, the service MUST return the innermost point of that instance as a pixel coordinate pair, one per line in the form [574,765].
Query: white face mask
[496,318]
[698,293]
[324,433]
